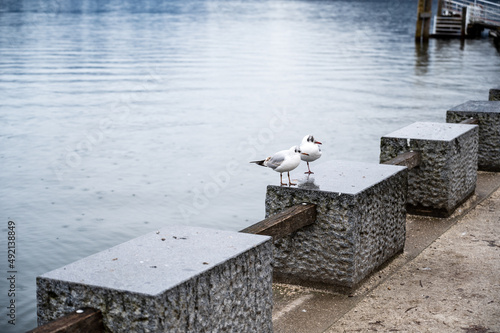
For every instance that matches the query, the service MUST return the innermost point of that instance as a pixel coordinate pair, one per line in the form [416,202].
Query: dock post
[440,8]
[424,13]
[463,30]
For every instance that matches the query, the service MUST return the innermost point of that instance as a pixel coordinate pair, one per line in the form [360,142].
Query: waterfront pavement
[446,280]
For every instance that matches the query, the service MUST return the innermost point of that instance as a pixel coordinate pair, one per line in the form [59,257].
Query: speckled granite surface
[488,115]
[179,279]
[448,171]
[494,94]
[360,224]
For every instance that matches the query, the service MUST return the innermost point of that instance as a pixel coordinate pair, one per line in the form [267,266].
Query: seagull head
[310,138]
[297,150]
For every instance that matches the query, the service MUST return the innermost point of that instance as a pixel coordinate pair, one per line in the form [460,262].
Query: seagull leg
[289,181]
[281,179]
[308,172]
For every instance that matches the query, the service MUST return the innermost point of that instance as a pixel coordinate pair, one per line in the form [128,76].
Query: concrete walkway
[447,280]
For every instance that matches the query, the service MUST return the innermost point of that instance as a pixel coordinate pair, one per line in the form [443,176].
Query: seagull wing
[276,160]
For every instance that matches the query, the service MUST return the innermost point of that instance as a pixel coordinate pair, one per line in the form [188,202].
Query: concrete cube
[494,94]
[447,174]
[488,115]
[179,279]
[361,223]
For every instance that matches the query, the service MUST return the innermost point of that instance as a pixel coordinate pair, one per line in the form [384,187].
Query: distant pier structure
[457,18]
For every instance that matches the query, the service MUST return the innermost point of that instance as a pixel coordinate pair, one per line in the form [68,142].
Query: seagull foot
[308,172]
[291,184]
[284,184]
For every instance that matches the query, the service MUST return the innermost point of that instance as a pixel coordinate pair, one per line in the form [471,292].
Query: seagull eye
[310,138]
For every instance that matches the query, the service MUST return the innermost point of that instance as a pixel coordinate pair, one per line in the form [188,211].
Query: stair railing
[481,11]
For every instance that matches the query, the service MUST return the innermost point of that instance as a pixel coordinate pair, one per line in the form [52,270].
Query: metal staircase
[448,26]
[480,14]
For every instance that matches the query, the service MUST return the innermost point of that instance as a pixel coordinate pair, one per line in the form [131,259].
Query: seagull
[283,161]
[312,150]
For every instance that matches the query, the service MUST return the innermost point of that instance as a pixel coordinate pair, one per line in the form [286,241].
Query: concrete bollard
[447,173]
[494,94]
[180,279]
[488,115]
[361,223]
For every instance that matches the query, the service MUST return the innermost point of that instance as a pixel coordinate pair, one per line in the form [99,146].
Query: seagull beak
[305,154]
[317,142]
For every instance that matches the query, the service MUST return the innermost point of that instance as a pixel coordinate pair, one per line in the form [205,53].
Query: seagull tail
[259,162]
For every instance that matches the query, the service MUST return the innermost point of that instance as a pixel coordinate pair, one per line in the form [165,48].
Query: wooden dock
[457,18]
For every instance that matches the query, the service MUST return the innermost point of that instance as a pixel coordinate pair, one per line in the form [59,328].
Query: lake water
[120,117]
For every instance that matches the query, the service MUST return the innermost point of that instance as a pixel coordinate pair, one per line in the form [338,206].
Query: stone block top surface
[431,131]
[158,261]
[346,176]
[478,107]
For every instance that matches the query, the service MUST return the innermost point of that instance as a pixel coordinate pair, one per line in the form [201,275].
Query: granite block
[178,279]
[488,115]
[447,174]
[494,94]
[361,222]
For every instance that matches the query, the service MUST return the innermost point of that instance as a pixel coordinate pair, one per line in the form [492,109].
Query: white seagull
[283,161]
[312,150]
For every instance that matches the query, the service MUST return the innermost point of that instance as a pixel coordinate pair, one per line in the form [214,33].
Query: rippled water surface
[120,117]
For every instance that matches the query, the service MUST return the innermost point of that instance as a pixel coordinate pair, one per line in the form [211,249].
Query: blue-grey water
[119,117]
